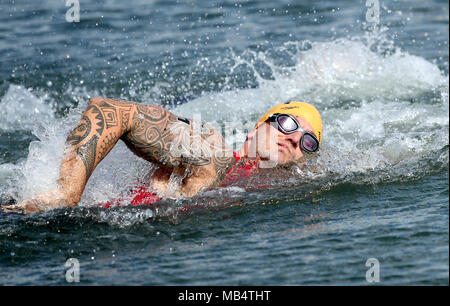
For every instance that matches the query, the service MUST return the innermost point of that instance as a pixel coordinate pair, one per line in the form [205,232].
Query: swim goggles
[287,124]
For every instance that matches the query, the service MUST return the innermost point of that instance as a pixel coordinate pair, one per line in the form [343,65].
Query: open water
[378,189]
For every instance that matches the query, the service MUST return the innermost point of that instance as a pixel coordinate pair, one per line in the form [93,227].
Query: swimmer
[176,145]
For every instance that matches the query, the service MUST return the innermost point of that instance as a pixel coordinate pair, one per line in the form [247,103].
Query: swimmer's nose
[294,139]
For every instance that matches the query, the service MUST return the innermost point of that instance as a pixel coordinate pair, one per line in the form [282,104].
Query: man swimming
[176,145]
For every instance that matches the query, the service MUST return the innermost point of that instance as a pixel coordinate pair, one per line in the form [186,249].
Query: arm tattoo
[160,137]
[107,143]
[150,132]
[82,130]
[150,135]
[110,115]
[87,153]
[100,121]
[101,125]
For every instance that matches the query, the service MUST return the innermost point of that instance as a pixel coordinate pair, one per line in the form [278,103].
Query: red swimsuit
[141,195]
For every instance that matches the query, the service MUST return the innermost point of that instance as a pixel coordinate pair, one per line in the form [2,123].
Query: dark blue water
[378,189]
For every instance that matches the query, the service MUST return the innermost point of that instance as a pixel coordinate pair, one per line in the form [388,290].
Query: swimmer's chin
[280,162]
[275,163]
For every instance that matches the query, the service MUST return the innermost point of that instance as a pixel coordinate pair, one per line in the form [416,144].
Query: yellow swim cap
[302,109]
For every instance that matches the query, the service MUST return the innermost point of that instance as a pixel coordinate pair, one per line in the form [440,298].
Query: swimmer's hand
[25,207]
[43,202]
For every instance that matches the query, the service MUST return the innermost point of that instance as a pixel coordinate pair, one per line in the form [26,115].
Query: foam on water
[380,110]
[22,110]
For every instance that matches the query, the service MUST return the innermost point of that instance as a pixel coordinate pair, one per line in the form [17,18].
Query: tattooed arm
[190,150]
[198,155]
[102,123]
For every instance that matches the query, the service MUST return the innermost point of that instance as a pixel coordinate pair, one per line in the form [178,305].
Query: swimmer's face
[272,145]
